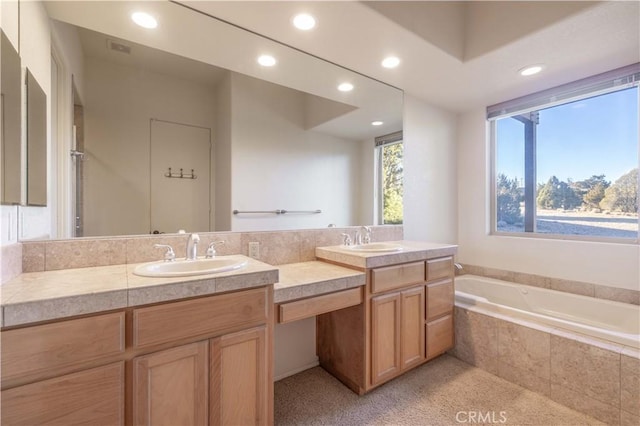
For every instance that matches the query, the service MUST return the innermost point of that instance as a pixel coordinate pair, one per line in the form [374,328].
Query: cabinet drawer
[318,305]
[439,298]
[90,397]
[392,277]
[199,317]
[43,348]
[439,336]
[438,269]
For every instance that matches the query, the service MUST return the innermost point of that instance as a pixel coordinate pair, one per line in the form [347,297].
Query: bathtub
[603,319]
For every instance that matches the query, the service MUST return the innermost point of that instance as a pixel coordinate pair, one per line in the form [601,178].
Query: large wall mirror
[180,126]
[10,122]
[36,143]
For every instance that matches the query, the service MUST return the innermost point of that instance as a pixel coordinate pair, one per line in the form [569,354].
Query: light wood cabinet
[221,381]
[439,329]
[397,333]
[199,361]
[239,381]
[171,386]
[94,396]
[440,296]
[439,336]
[412,347]
[318,305]
[385,337]
[407,318]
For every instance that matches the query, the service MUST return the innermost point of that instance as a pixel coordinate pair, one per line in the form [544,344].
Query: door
[412,327]
[180,197]
[239,383]
[385,337]
[171,386]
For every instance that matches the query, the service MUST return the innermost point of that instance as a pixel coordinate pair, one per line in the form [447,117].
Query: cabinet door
[385,337]
[94,396]
[171,386]
[439,336]
[239,381]
[412,327]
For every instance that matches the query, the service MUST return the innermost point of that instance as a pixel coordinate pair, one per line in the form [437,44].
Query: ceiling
[457,55]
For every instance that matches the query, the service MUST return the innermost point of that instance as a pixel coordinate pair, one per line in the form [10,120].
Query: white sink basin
[376,247]
[185,268]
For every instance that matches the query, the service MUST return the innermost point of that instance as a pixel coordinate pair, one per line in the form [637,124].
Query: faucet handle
[211,250]
[346,239]
[170,255]
[367,234]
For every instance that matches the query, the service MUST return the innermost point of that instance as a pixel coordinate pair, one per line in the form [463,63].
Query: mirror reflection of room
[10,122]
[253,145]
[36,142]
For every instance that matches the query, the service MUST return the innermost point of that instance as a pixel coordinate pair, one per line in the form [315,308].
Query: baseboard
[297,370]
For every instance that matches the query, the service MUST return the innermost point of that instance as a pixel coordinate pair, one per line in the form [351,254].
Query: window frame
[380,142]
[496,112]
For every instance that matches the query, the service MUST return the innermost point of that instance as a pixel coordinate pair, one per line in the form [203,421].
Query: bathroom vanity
[406,317]
[102,345]
[182,361]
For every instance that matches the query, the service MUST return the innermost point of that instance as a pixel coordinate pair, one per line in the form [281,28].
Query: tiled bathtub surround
[276,247]
[591,376]
[568,286]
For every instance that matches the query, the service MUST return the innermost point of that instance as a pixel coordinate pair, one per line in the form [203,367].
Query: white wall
[294,347]
[430,172]
[119,103]
[272,150]
[616,265]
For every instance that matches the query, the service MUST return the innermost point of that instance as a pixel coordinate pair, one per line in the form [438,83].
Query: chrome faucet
[169,255]
[363,235]
[192,247]
[211,250]
[346,239]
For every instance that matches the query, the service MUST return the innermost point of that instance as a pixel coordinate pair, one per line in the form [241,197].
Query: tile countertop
[306,279]
[411,251]
[40,296]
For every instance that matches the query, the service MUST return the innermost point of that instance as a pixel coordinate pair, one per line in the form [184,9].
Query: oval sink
[185,268]
[376,247]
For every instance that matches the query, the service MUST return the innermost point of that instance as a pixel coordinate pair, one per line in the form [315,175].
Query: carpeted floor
[445,391]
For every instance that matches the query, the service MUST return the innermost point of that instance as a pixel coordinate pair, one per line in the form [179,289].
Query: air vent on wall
[118,47]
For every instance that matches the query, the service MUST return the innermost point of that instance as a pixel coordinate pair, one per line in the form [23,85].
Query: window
[566,160]
[389,154]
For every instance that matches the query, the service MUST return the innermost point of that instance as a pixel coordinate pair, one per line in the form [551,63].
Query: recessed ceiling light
[345,87]
[267,61]
[144,20]
[377,123]
[530,70]
[304,21]
[391,62]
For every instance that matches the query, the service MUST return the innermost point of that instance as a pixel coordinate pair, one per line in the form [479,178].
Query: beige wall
[615,265]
